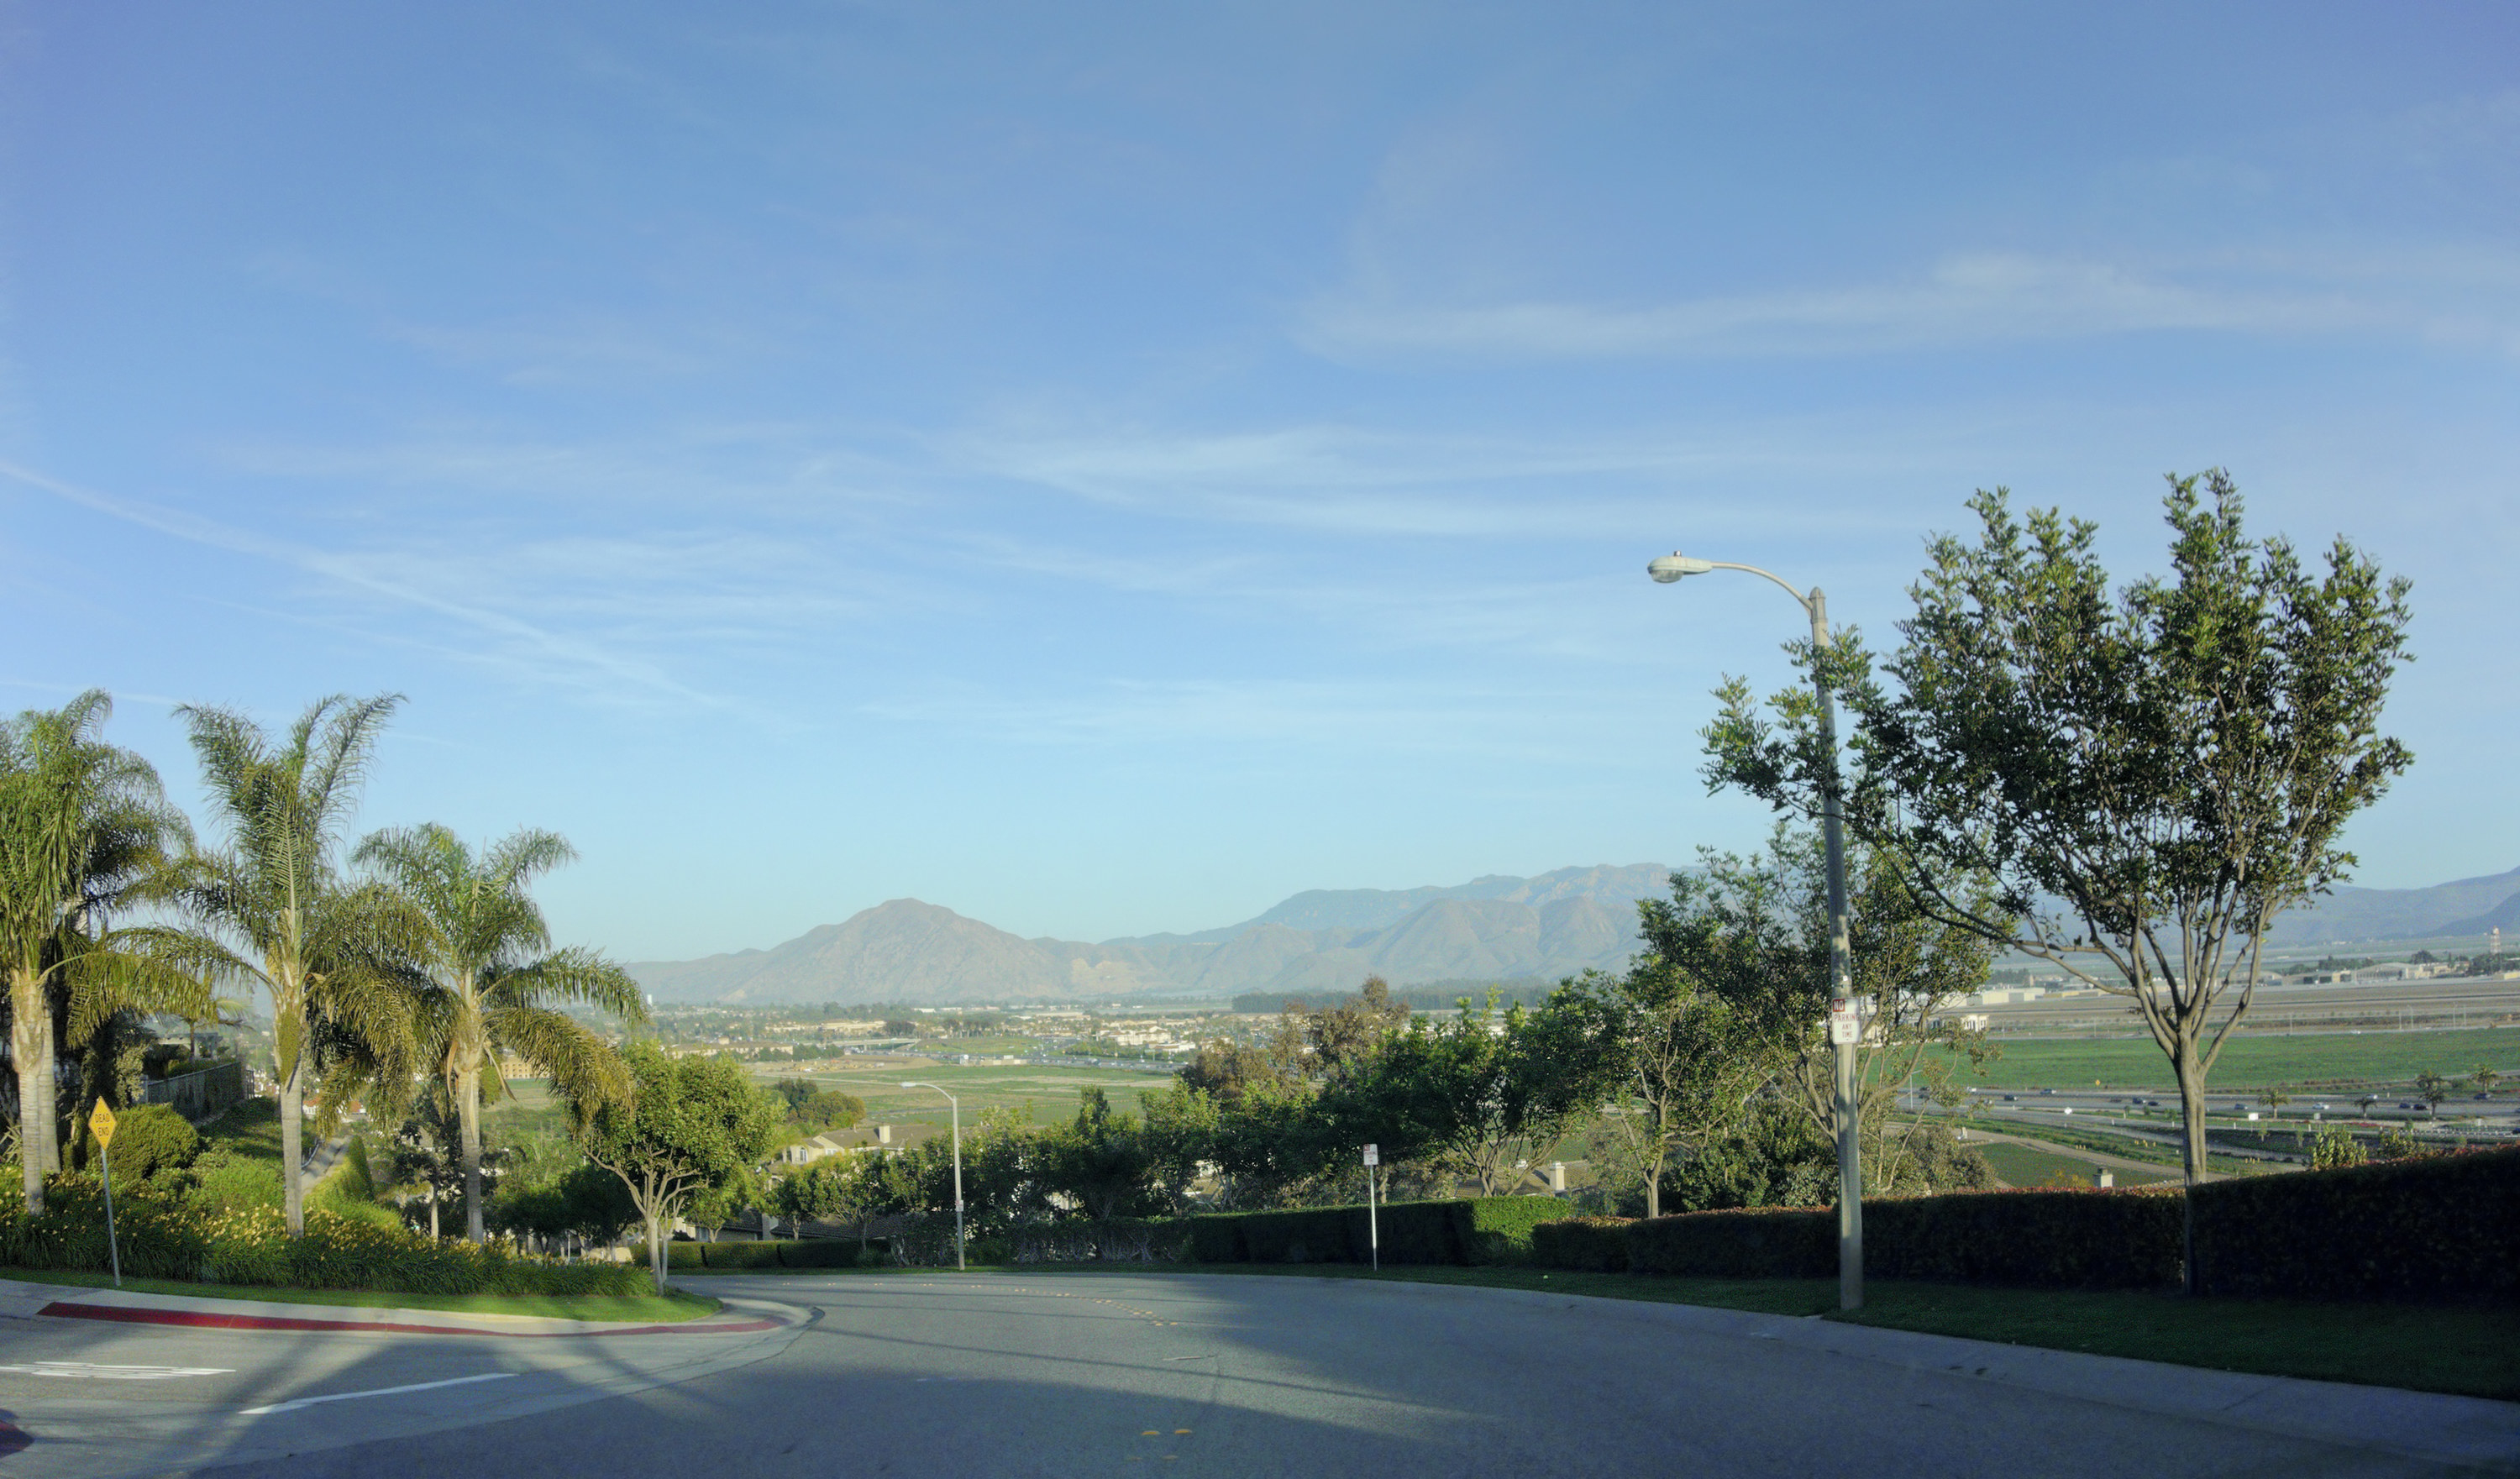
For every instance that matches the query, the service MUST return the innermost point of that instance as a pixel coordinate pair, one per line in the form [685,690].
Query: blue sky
[1104,467]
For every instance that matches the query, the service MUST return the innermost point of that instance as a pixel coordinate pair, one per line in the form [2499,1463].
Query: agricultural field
[1046,1093]
[2254,1062]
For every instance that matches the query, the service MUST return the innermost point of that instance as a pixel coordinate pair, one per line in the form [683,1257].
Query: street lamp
[1850,1166]
[957,1167]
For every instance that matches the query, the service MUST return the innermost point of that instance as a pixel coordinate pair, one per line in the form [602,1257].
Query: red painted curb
[202,1320]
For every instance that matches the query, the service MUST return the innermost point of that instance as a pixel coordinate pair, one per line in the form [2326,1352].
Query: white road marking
[82,1370]
[417,1386]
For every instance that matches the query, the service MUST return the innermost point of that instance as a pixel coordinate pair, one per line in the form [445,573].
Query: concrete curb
[66,1302]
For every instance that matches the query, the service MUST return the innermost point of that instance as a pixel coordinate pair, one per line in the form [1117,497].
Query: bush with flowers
[166,1237]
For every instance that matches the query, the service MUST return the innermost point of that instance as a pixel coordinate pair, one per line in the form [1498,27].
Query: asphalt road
[1095,1374]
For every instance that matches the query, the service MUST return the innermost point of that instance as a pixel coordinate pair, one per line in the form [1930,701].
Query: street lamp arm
[1726,564]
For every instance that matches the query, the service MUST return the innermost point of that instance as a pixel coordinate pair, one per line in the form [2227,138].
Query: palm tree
[490,969]
[335,957]
[85,835]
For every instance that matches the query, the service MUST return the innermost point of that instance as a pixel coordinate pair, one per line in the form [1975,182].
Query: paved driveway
[1092,1373]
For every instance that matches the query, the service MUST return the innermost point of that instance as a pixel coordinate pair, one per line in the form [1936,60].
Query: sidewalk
[27,1301]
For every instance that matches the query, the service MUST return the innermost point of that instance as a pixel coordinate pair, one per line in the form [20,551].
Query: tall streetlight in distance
[958,1166]
[1850,1166]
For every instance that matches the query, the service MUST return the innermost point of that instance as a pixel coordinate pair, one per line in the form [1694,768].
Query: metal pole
[958,1179]
[113,1244]
[1841,975]
[1372,1219]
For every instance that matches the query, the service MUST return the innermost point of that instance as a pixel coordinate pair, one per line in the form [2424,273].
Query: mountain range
[1324,941]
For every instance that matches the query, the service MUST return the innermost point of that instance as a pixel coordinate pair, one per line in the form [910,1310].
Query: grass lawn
[2166,1156]
[642,1308]
[2252,1062]
[2426,1348]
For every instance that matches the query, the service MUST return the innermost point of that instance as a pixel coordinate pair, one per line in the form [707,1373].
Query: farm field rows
[1051,1094]
[2253,1062]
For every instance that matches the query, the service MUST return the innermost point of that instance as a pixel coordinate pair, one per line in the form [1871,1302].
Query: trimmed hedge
[1485,1230]
[161,1237]
[2052,1239]
[1592,1244]
[1750,1242]
[2058,1238]
[770,1253]
[2434,1228]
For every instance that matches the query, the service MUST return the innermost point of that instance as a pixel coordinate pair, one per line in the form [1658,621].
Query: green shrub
[1414,1231]
[1308,1235]
[220,1179]
[739,1255]
[151,1138]
[678,1255]
[2439,1226]
[1592,1244]
[819,1253]
[2077,1239]
[1751,1243]
[1217,1237]
[2056,1239]
[1118,1240]
[1497,1230]
[1488,1230]
[163,1238]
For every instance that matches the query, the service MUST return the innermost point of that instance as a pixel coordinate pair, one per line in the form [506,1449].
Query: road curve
[1061,1373]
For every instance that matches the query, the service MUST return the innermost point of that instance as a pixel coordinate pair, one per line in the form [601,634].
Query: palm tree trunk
[293,1146]
[468,1113]
[31,1046]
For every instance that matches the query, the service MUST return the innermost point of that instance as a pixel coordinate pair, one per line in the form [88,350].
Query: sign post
[1372,1222]
[102,1122]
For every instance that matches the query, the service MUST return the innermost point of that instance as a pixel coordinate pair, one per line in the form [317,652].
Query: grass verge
[638,1308]
[2455,1349]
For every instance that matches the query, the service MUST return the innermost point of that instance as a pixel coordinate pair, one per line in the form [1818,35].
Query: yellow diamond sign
[102,1122]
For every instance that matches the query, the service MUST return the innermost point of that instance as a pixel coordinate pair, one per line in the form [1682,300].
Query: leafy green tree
[1225,1068]
[1180,1130]
[795,1091]
[336,957]
[2150,777]
[1675,1060]
[688,1127]
[486,972]
[1102,1160]
[1751,933]
[850,1189]
[828,1109]
[1478,1095]
[1268,1141]
[428,1159]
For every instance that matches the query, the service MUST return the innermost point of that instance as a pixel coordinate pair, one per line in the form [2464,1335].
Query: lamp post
[957,1167]
[1841,970]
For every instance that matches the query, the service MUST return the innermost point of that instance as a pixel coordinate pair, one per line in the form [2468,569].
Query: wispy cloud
[1967,299]
[1342,482]
[545,653]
